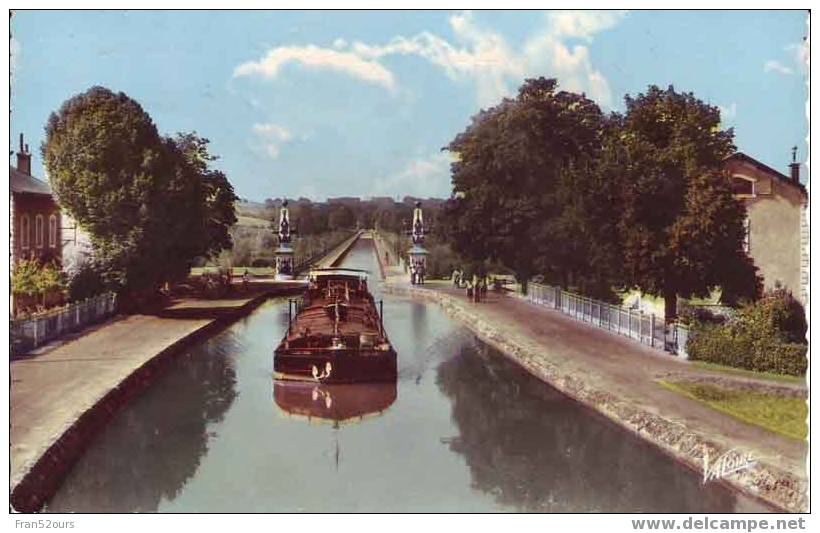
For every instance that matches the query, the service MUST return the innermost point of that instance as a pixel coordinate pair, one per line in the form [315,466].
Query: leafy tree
[217,198]
[680,227]
[507,175]
[586,251]
[150,204]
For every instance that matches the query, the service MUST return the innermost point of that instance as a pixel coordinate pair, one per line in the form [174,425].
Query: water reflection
[534,449]
[340,403]
[149,451]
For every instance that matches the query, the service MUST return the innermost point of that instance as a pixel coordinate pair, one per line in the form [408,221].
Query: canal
[464,429]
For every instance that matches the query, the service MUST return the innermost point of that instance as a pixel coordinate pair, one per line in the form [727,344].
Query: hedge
[717,344]
[761,337]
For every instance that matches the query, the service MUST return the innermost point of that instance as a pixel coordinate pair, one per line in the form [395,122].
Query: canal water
[464,429]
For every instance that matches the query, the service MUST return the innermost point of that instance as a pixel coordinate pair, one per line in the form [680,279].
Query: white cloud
[728,113]
[425,177]
[776,66]
[318,58]
[571,66]
[798,60]
[477,55]
[800,54]
[272,137]
[14,55]
[582,24]
[486,60]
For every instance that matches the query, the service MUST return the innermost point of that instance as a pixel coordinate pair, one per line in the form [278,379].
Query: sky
[360,103]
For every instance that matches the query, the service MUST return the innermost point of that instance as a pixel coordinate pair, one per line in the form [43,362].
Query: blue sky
[332,103]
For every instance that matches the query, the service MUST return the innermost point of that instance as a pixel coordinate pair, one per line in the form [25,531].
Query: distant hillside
[253,214]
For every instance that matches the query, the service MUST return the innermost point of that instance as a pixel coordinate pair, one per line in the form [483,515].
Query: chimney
[794,167]
[23,158]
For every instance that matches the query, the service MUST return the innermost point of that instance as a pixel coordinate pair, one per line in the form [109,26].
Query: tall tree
[508,169]
[214,197]
[586,255]
[681,228]
[150,204]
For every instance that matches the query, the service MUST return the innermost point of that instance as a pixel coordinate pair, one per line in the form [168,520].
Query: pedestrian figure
[245,280]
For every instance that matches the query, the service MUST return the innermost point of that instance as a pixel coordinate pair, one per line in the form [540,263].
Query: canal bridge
[493,410]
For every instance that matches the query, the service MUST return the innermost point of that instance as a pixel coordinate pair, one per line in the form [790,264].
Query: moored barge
[337,334]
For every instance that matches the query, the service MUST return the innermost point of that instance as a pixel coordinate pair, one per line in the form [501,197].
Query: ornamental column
[284,253]
[417,253]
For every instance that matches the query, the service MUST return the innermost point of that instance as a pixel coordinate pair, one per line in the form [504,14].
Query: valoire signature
[730,462]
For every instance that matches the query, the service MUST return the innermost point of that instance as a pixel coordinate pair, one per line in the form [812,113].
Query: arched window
[38,231]
[25,224]
[52,231]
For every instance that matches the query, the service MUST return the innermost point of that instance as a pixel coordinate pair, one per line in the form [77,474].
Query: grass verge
[748,373]
[237,271]
[785,415]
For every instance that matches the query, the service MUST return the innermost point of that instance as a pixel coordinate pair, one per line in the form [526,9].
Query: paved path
[50,391]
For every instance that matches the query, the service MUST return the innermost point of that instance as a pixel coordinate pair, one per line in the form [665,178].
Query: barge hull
[344,367]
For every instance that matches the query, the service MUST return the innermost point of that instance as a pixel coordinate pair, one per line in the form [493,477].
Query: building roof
[20,182]
[765,168]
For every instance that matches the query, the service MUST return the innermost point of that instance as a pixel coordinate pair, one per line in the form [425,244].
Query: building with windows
[35,216]
[776,225]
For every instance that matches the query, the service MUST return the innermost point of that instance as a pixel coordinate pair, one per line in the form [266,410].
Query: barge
[337,334]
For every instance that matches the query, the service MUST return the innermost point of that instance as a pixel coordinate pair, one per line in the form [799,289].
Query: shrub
[784,358]
[24,279]
[85,281]
[31,278]
[788,315]
[691,315]
[761,337]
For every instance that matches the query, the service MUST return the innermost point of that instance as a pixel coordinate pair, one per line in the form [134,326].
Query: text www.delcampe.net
[726,524]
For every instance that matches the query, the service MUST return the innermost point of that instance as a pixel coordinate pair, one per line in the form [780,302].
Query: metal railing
[645,328]
[35,331]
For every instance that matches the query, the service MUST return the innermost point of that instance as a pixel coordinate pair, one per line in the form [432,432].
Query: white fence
[643,327]
[29,333]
